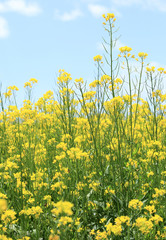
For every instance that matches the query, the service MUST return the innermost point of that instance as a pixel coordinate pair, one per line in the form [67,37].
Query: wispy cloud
[157,64]
[90,1]
[99,46]
[97,10]
[4,30]
[119,44]
[160,5]
[68,16]
[20,6]
[126,2]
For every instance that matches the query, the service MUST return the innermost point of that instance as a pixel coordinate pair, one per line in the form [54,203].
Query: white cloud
[116,12]
[157,65]
[68,16]
[160,5]
[97,10]
[99,46]
[20,6]
[90,1]
[126,2]
[119,44]
[4,30]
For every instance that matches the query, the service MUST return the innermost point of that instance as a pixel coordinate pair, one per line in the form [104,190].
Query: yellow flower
[152,69]
[3,205]
[102,220]
[34,211]
[108,205]
[63,207]
[77,221]
[13,88]
[97,58]
[153,94]
[109,16]
[80,80]
[8,216]
[8,94]
[3,237]
[65,220]
[150,208]
[53,237]
[109,228]
[156,218]
[118,80]
[159,192]
[27,84]
[89,95]
[135,204]
[116,229]
[33,80]
[142,54]
[150,174]
[94,84]
[125,49]
[161,70]
[92,232]
[144,225]
[3,196]
[122,219]
[101,235]
[105,78]
[126,184]
[64,77]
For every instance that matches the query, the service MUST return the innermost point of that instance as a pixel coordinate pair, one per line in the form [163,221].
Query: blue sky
[37,37]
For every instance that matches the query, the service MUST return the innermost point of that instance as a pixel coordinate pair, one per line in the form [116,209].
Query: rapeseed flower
[109,16]
[62,207]
[144,225]
[97,58]
[125,49]
[9,216]
[142,55]
[3,205]
[135,204]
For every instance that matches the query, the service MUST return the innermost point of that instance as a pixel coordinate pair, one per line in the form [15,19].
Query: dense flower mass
[89,161]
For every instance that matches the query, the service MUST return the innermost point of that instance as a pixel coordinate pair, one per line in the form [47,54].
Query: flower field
[89,161]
